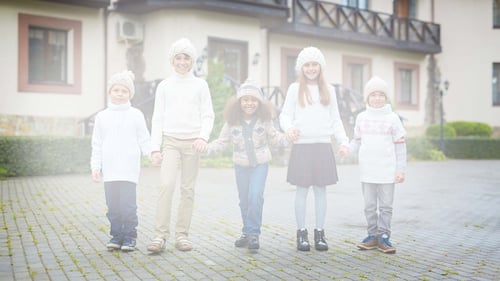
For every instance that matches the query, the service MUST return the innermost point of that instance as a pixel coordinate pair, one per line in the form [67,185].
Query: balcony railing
[330,20]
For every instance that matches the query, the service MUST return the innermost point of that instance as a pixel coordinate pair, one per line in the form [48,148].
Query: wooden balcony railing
[353,24]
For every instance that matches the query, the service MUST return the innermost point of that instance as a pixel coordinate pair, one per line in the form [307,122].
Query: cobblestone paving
[446,226]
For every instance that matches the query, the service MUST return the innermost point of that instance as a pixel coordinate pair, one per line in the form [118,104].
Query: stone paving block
[59,222]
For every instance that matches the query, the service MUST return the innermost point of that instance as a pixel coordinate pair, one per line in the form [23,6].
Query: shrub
[466,128]
[29,156]
[220,92]
[423,149]
[471,147]
[433,131]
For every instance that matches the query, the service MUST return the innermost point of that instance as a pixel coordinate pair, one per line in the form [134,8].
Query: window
[356,72]
[495,83]
[49,55]
[406,86]
[360,4]
[234,54]
[496,13]
[288,73]
[406,8]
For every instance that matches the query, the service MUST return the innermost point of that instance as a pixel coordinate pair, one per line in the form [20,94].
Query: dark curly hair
[233,114]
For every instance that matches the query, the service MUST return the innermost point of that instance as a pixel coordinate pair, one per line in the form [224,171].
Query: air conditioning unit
[128,30]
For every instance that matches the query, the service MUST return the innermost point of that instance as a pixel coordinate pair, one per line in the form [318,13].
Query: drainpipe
[105,24]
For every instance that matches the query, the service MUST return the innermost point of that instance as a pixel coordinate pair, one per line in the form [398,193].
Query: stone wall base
[17,125]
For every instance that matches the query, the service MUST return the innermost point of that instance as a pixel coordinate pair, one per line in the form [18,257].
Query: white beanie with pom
[309,54]
[249,89]
[124,78]
[181,46]
[375,84]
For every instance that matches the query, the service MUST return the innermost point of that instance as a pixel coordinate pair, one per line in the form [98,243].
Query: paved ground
[446,226]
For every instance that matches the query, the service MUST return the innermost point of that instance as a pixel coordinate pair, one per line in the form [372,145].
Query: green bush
[470,147]
[466,128]
[220,92]
[433,131]
[30,156]
[423,149]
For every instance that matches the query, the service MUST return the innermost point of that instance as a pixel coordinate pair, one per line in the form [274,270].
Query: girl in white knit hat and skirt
[379,136]
[120,135]
[310,117]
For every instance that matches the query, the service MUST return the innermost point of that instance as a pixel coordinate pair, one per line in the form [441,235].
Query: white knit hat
[375,84]
[124,78]
[309,54]
[249,89]
[181,46]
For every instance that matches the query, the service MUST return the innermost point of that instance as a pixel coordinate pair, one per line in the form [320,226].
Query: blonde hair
[304,94]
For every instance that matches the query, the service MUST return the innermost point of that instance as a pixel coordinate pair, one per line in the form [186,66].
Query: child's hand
[156,158]
[343,151]
[96,175]
[200,145]
[293,134]
[400,177]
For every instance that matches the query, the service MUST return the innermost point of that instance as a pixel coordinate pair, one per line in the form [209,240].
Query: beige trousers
[178,155]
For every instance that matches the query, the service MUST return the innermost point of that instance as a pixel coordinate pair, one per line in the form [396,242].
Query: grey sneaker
[385,246]
[253,242]
[242,241]
[369,243]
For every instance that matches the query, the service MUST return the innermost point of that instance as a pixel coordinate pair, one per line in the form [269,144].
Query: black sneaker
[253,242]
[128,245]
[242,241]
[302,240]
[114,244]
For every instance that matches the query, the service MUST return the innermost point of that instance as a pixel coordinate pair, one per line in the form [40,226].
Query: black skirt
[312,164]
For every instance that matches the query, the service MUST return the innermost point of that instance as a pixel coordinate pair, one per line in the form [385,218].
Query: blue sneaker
[385,246]
[128,245]
[369,243]
[114,244]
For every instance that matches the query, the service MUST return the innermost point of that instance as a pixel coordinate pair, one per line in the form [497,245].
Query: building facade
[58,54]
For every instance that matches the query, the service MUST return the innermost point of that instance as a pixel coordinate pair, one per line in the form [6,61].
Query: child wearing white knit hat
[310,117]
[379,138]
[183,119]
[125,79]
[250,130]
[119,137]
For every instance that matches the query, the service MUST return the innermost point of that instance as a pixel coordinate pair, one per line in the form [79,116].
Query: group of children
[182,122]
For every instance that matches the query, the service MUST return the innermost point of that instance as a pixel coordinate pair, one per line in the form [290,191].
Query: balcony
[338,22]
[270,12]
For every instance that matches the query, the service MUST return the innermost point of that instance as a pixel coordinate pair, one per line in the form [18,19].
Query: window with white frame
[406,85]
[49,54]
[495,84]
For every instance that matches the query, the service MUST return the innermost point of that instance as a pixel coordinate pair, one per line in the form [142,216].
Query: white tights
[301,206]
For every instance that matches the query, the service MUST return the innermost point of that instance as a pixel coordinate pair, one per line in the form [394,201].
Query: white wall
[165,27]
[470,46]
[81,105]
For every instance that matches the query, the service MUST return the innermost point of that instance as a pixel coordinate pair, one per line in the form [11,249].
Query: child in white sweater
[379,136]
[120,135]
[182,121]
